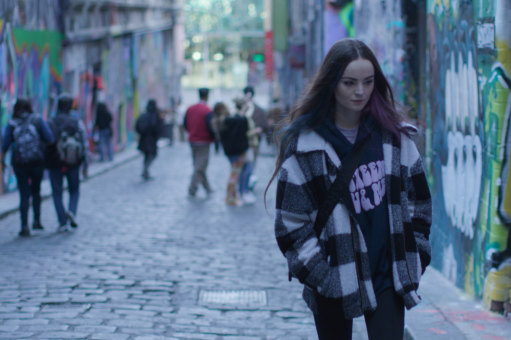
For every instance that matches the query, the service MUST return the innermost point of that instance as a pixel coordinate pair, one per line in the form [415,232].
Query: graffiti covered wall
[468,88]
[30,66]
[380,25]
[151,69]
[392,30]
[117,74]
[338,23]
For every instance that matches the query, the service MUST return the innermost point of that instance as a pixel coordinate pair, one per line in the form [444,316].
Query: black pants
[29,184]
[386,323]
[148,160]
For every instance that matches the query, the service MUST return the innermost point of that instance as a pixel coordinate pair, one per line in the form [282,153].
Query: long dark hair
[22,105]
[220,112]
[318,100]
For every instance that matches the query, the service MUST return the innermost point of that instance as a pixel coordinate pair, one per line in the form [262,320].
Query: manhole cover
[233,297]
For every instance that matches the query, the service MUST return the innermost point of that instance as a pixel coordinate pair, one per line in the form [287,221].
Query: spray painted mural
[496,213]
[380,24]
[466,127]
[117,74]
[134,69]
[151,69]
[338,22]
[30,66]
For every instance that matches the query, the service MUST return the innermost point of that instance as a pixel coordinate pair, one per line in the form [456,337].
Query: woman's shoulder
[308,142]
[408,128]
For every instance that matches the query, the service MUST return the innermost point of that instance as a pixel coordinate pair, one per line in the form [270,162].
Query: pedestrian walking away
[197,122]
[233,136]
[257,114]
[353,207]
[27,134]
[103,127]
[65,158]
[257,126]
[245,194]
[148,126]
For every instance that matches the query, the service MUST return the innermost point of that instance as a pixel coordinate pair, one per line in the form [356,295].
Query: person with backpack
[353,206]
[26,133]
[148,126]
[64,158]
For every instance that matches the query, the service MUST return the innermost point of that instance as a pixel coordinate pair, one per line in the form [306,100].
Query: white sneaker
[63,228]
[252,181]
[248,198]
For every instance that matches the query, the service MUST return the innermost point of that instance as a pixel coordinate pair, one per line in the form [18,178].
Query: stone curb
[95,169]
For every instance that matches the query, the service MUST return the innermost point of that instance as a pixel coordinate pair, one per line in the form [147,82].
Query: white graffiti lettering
[449,263]
[462,175]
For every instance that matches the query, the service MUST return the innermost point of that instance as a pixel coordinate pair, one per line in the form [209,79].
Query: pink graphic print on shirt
[368,176]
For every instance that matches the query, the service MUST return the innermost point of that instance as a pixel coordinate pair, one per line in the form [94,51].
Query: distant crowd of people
[237,133]
[61,145]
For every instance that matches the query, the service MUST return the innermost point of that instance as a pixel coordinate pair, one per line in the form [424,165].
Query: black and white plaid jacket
[336,265]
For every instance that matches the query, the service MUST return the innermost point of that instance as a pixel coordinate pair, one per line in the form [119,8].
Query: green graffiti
[346,17]
[43,42]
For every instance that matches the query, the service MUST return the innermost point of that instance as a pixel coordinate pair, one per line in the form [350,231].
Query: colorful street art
[470,145]
[117,74]
[338,23]
[380,24]
[132,70]
[497,212]
[458,135]
[30,66]
[151,69]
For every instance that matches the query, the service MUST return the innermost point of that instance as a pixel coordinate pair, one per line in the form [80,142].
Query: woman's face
[355,87]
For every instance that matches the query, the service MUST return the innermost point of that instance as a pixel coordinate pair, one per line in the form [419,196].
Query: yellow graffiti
[504,53]
[498,232]
[497,287]
[469,276]
[442,6]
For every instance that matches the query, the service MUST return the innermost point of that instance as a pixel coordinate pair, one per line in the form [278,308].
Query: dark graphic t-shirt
[367,190]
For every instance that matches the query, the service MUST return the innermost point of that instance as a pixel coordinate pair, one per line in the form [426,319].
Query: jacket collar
[310,141]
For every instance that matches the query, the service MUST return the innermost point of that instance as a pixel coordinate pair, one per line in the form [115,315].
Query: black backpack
[27,146]
[69,144]
[143,124]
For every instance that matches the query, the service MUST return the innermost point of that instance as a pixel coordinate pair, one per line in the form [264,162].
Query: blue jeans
[29,184]
[105,145]
[246,172]
[73,183]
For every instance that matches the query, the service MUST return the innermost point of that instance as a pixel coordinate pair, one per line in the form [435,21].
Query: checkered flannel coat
[336,264]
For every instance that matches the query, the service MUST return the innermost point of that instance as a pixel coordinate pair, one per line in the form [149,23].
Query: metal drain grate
[249,298]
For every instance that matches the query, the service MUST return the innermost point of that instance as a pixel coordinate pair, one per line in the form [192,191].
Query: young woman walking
[367,254]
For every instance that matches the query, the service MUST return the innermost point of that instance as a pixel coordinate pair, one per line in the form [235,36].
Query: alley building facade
[120,52]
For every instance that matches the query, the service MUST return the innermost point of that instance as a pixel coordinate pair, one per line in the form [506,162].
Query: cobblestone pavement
[149,263]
